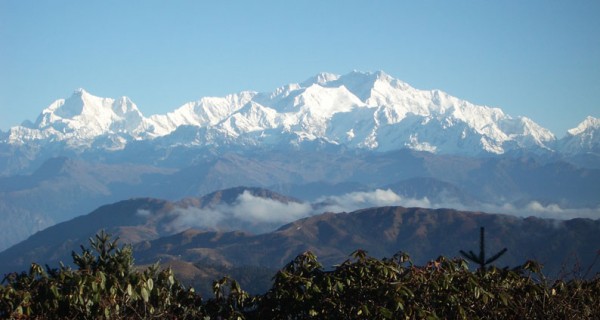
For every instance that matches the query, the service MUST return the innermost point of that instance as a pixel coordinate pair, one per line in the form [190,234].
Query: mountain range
[364,111]
[362,138]
[187,236]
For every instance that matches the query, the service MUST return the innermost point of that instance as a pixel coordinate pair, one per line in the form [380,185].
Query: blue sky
[539,59]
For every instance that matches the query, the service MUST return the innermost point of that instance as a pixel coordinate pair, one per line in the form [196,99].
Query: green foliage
[255,279]
[106,285]
[367,288]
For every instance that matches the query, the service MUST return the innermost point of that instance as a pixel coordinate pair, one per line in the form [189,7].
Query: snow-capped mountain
[371,111]
[82,120]
[205,112]
[582,139]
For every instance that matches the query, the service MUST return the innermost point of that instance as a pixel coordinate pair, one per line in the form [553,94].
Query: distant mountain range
[361,138]
[364,111]
[186,235]
[64,188]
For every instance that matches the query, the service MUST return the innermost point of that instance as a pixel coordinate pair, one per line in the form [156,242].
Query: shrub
[105,285]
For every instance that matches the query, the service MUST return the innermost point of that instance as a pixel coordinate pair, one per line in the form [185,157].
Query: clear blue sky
[539,59]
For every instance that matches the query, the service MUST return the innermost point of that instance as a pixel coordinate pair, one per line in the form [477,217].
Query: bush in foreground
[106,285]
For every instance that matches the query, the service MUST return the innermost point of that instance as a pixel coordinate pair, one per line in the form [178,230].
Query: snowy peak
[251,118]
[321,78]
[377,112]
[323,102]
[362,83]
[208,111]
[82,105]
[81,119]
[361,110]
[584,138]
[589,125]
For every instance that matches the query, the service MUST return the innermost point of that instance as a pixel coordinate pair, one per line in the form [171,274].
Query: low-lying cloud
[549,211]
[248,212]
[256,209]
[258,215]
[360,200]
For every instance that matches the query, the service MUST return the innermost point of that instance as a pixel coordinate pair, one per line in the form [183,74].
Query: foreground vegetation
[106,285]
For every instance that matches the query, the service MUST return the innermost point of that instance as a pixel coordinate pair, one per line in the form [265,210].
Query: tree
[106,285]
[481,259]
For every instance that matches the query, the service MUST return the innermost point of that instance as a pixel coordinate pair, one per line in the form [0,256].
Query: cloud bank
[259,215]
[248,213]
[360,200]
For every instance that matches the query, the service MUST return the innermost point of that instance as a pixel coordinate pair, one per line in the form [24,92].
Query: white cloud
[378,198]
[249,213]
[256,209]
[357,200]
[186,218]
[533,208]
[554,211]
[257,215]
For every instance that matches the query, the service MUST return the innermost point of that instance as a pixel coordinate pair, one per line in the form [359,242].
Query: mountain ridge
[383,231]
[359,110]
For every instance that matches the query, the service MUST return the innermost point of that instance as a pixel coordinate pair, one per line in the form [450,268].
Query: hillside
[163,230]
[424,233]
